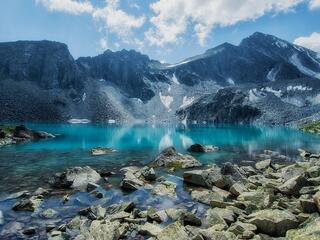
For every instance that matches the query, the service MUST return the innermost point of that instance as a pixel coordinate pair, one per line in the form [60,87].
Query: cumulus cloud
[172,18]
[116,20]
[103,44]
[314,4]
[68,6]
[312,41]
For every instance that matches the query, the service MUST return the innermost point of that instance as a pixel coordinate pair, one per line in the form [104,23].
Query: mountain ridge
[127,85]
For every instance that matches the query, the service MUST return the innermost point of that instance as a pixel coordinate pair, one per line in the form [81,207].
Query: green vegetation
[312,127]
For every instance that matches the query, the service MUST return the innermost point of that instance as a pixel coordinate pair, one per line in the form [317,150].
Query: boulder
[237,188]
[215,215]
[148,173]
[190,219]
[238,228]
[292,171]
[170,158]
[150,229]
[131,181]
[101,230]
[199,148]
[77,178]
[165,188]
[173,231]
[293,185]
[262,165]
[309,231]
[29,204]
[274,222]
[206,196]
[101,151]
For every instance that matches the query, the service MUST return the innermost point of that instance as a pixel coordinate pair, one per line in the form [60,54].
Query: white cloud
[172,17]
[312,41]
[68,6]
[314,4]
[116,20]
[103,44]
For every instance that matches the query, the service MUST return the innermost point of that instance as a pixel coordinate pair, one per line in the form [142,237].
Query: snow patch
[230,81]
[79,121]
[294,101]
[314,100]
[296,61]
[298,88]
[277,93]
[175,79]
[111,121]
[166,101]
[186,101]
[253,95]
[84,96]
[281,44]
[271,76]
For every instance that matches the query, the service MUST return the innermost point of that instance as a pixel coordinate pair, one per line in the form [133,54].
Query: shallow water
[27,166]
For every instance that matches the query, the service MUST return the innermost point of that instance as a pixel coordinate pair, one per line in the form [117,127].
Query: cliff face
[48,64]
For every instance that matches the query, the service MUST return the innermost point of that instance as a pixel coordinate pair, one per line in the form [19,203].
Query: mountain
[262,80]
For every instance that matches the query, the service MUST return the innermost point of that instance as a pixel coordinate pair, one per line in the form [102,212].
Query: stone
[158,216]
[293,185]
[195,177]
[292,171]
[307,204]
[309,231]
[206,196]
[313,172]
[105,230]
[41,191]
[215,215]
[115,208]
[234,172]
[221,192]
[238,228]
[148,173]
[169,158]
[77,178]
[165,188]
[175,213]
[213,234]
[190,219]
[49,213]
[262,165]
[101,151]
[30,204]
[237,189]
[92,186]
[173,231]
[274,222]
[131,182]
[150,229]
[316,200]
[199,148]
[29,231]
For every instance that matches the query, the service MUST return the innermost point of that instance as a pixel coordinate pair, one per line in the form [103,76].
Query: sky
[166,30]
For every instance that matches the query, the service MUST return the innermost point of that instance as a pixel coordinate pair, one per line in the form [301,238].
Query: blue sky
[168,30]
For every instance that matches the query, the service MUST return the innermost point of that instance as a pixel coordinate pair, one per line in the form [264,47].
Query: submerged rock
[199,148]
[29,204]
[170,158]
[101,151]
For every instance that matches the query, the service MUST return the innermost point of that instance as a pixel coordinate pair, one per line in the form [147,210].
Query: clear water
[27,166]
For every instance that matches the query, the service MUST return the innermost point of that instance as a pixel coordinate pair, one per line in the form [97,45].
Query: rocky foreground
[270,198]
[19,134]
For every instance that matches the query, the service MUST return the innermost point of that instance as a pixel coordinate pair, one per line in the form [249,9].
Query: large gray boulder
[77,178]
[274,222]
[170,158]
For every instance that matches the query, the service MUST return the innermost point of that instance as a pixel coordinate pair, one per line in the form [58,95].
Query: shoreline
[231,200]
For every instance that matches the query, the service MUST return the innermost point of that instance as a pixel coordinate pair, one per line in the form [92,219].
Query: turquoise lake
[27,166]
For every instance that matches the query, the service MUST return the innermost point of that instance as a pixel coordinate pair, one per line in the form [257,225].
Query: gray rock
[171,158]
[148,173]
[262,165]
[150,229]
[274,222]
[293,185]
[165,188]
[77,178]
[207,196]
[30,204]
[199,148]
[237,188]
[173,231]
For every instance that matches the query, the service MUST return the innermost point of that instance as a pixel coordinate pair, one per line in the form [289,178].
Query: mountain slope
[272,75]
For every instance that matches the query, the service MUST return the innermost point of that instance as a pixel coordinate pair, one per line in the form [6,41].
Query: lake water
[27,166]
